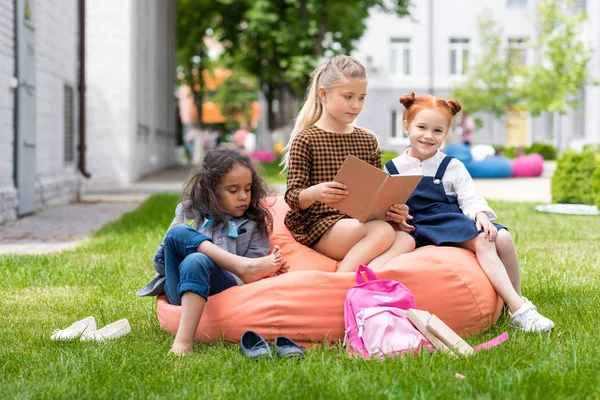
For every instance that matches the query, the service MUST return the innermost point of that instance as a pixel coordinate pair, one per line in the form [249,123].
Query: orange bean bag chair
[307,304]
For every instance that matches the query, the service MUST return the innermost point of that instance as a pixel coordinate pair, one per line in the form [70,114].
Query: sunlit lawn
[560,268]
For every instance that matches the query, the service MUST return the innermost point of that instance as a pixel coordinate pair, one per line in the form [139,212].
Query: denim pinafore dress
[437,218]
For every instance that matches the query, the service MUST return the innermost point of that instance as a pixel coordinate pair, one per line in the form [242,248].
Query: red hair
[414,104]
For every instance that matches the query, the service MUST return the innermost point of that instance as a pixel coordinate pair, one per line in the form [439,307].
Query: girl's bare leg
[355,243]
[486,254]
[508,254]
[404,243]
[247,269]
[192,306]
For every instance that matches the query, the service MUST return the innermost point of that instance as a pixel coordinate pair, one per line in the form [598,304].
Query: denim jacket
[249,243]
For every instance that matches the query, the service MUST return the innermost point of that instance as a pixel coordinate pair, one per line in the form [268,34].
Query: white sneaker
[111,331]
[76,330]
[527,318]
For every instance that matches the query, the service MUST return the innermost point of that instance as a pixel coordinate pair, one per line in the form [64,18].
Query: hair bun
[407,100]
[455,106]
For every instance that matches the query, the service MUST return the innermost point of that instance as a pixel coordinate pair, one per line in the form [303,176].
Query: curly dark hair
[201,189]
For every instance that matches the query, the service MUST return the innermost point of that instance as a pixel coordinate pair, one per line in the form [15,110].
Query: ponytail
[309,114]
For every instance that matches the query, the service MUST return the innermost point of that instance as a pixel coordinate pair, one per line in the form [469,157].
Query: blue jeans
[187,270]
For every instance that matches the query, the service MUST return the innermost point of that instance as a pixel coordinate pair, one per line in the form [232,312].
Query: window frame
[459,45]
[401,47]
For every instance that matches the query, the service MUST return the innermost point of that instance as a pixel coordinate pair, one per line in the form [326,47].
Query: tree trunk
[289,101]
[268,91]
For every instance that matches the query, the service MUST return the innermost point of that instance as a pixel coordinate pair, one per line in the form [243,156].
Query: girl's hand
[399,214]
[489,229]
[328,192]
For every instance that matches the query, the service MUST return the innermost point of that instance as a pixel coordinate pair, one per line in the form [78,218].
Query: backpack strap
[368,273]
[391,167]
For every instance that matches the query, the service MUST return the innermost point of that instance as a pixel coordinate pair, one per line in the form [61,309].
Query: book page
[396,190]
[363,182]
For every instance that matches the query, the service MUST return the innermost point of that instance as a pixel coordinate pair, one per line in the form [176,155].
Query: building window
[459,56]
[398,136]
[517,51]
[579,116]
[517,3]
[400,57]
[68,122]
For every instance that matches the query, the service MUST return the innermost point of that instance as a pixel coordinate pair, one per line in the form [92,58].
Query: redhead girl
[446,209]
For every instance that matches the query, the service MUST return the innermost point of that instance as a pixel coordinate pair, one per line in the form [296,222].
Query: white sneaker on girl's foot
[75,330]
[110,331]
[527,318]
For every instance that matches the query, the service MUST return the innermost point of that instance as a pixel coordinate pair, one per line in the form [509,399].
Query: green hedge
[573,180]
[596,180]
[545,150]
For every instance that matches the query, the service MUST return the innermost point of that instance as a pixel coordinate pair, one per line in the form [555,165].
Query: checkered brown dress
[315,157]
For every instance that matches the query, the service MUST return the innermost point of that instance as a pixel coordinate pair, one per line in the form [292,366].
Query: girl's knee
[382,231]
[177,231]
[504,239]
[406,240]
[482,244]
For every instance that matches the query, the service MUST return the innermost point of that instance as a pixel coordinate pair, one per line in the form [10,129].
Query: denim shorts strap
[442,168]
[391,167]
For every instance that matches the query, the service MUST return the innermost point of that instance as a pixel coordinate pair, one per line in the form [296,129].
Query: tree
[236,96]
[496,83]
[489,84]
[196,23]
[281,41]
[554,82]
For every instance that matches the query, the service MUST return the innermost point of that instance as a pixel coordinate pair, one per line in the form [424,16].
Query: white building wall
[130,84]
[430,65]
[8,194]
[110,122]
[56,58]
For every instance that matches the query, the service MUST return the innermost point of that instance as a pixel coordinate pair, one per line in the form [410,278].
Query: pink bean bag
[307,304]
[528,166]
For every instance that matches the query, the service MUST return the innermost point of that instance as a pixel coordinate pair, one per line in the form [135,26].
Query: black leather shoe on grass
[286,347]
[254,346]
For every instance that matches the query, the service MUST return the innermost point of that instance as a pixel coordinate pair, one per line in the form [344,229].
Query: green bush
[572,182]
[545,150]
[596,187]
[595,147]
[387,155]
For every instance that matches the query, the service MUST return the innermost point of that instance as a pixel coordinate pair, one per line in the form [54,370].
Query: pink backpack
[375,318]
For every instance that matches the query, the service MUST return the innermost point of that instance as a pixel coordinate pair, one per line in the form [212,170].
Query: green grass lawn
[560,265]
[271,172]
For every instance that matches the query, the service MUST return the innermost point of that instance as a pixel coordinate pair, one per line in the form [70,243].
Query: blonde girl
[322,138]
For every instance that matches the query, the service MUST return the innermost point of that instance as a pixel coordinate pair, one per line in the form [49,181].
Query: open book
[371,191]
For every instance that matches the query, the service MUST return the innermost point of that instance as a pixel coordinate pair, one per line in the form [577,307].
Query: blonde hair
[328,76]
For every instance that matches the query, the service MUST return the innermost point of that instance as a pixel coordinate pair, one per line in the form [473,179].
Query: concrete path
[66,227]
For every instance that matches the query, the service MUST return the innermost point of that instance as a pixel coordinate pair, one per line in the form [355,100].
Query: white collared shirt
[457,181]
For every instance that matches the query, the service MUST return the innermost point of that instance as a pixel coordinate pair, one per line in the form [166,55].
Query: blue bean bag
[491,167]
[460,151]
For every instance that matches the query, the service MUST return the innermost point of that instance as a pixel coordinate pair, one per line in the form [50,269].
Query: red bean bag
[528,166]
[307,304]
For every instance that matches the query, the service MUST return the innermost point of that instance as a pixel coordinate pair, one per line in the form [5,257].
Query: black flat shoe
[254,346]
[286,347]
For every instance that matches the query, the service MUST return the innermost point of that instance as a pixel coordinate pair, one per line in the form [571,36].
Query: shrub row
[577,178]
[545,150]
